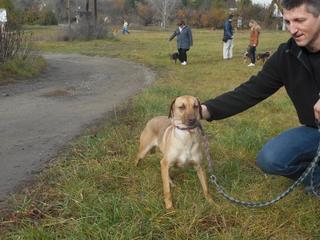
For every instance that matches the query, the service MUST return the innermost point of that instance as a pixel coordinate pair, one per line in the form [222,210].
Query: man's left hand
[316,109]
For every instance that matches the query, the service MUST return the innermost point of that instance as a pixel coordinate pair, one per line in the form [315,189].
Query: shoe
[184,63]
[251,65]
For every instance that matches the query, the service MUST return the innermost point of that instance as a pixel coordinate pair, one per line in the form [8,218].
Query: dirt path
[39,117]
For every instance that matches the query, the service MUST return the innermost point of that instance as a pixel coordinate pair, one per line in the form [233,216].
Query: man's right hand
[205,112]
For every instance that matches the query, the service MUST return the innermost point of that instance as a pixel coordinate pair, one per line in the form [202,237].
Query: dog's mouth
[187,125]
[191,122]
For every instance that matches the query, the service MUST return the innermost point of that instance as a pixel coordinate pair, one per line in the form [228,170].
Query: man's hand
[316,109]
[206,114]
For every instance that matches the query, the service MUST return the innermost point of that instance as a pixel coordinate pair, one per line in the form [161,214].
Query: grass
[18,68]
[93,191]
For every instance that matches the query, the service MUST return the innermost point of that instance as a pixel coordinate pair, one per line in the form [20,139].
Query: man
[227,38]
[184,40]
[295,66]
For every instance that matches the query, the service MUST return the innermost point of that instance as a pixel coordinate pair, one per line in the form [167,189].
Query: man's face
[304,27]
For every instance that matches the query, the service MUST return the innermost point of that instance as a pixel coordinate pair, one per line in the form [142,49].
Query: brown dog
[179,139]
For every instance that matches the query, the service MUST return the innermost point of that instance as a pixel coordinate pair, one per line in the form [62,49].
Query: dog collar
[196,125]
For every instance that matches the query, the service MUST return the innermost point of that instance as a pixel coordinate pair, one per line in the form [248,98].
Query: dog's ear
[200,108]
[171,108]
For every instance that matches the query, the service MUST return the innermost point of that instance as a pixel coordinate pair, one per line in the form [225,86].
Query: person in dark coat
[227,38]
[294,66]
[184,40]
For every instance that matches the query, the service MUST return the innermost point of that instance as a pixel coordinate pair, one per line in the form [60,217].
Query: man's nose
[292,29]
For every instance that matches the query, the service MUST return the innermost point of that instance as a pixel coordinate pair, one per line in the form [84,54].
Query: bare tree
[164,8]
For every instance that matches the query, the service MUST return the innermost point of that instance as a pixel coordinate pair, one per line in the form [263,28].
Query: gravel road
[39,117]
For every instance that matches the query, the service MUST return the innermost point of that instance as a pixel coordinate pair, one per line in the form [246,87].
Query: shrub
[47,17]
[86,29]
[14,44]
[22,67]
[14,18]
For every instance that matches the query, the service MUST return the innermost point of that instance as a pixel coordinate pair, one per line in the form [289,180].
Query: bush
[31,16]
[35,16]
[19,67]
[14,18]
[14,44]
[85,30]
[47,17]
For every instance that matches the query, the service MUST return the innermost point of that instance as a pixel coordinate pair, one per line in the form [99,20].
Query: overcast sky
[263,2]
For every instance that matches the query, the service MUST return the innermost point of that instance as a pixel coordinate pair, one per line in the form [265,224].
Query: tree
[164,8]
[145,12]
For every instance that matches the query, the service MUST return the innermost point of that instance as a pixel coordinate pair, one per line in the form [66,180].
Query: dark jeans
[290,153]
[183,54]
[252,54]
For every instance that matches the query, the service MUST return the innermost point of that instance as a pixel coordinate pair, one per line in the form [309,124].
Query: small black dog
[246,56]
[174,56]
[263,56]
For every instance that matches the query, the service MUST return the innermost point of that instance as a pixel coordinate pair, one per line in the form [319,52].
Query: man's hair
[181,22]
[313,6]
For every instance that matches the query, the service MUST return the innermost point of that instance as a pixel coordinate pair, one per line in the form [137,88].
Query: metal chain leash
[310,170]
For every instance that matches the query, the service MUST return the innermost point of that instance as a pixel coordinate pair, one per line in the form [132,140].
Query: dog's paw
[169,206]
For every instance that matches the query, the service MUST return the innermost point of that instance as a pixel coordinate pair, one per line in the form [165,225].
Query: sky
[263,2]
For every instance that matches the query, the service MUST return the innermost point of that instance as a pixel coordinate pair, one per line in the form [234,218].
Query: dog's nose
[191,121]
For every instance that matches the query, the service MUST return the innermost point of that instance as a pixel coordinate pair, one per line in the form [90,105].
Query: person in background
[253,41]
[184,40]
[294,66]
[125,28]
[228,38]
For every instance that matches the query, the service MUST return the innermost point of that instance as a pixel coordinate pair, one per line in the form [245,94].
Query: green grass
[93,191]
[18,68]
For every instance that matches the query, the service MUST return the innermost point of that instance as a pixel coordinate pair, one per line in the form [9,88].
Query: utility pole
[69,15]
[95,12]
[87,6]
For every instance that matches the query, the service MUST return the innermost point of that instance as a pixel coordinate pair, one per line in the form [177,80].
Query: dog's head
[174,56]
[186,110]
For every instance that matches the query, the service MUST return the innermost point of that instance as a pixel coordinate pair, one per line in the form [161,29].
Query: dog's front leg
[166,183]
[203,180]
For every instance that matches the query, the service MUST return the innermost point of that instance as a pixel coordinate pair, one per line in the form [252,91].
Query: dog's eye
[183,107]
[195,106]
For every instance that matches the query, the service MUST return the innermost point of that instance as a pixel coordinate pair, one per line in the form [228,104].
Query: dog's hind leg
[147,143]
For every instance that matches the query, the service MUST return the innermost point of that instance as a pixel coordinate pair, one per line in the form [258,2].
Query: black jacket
[289,67]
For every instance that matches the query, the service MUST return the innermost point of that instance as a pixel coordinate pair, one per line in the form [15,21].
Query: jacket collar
[299,52]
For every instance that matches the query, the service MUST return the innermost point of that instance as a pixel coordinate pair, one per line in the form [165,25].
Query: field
[94,191]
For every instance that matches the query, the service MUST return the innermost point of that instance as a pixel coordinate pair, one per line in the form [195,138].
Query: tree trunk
[95,12]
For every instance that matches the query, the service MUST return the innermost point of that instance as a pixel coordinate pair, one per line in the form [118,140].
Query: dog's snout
[192,121]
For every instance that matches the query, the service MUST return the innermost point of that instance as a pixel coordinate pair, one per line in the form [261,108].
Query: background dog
[246,56]
[179,139]
[174,56]
[263,56]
